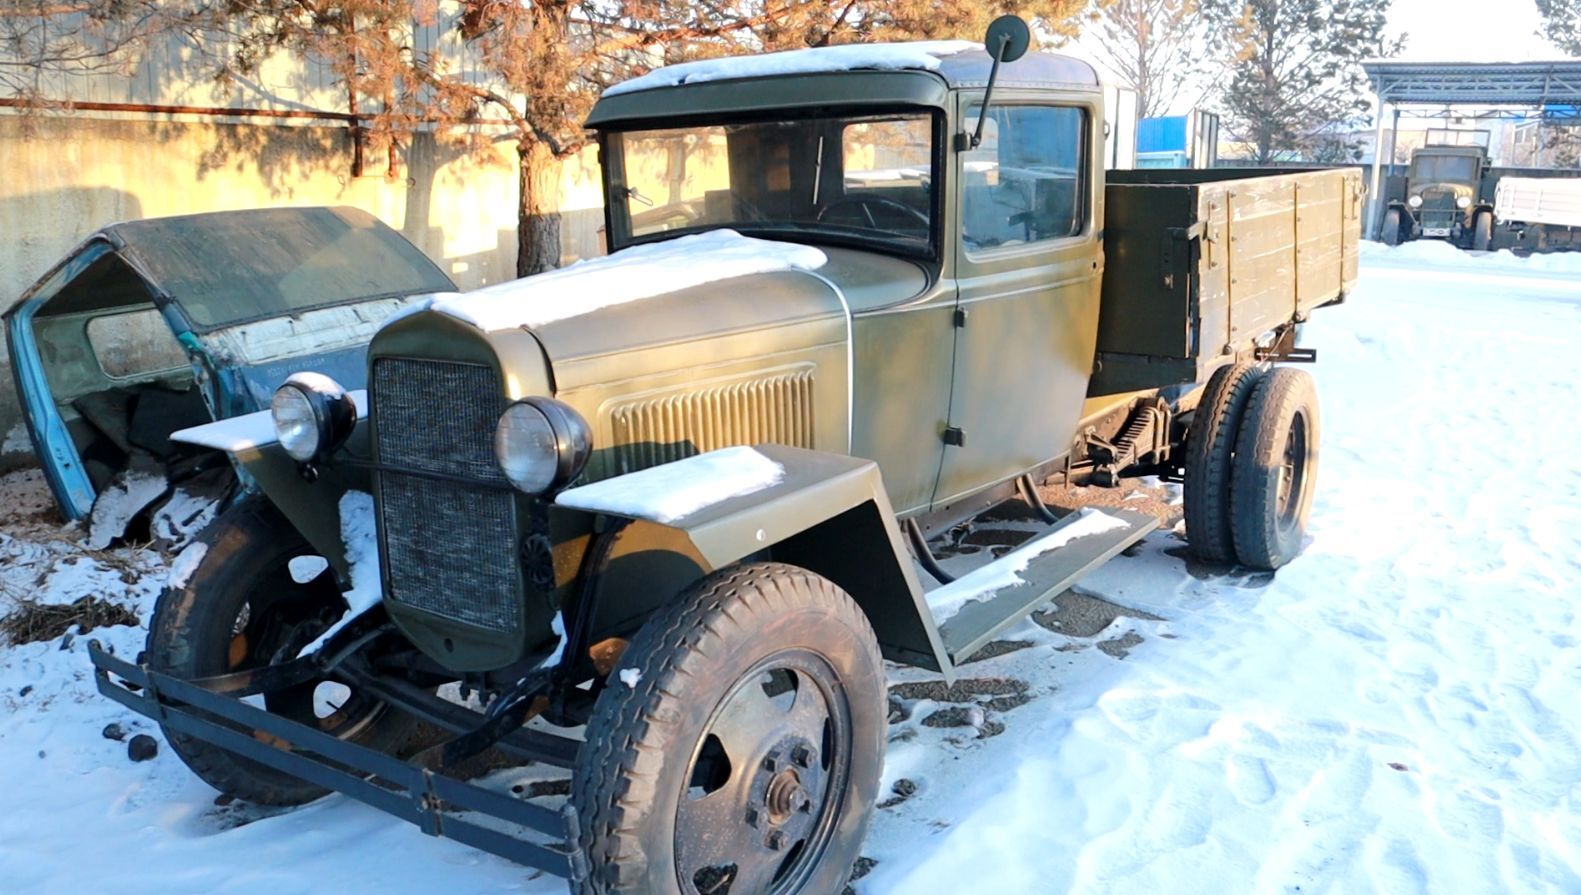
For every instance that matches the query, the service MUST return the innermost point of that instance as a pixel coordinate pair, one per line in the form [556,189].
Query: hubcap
[766,782]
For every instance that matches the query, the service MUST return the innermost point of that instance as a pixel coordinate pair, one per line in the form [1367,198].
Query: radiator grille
[775,409]
[449,546]
[1438,209]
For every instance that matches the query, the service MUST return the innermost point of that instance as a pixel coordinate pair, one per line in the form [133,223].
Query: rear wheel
[242,608]
[739,750]
[1275,469]
[1482,231]
[1210,451]
[1389,233]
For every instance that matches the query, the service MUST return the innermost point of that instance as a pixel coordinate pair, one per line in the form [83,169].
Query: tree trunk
[538,221]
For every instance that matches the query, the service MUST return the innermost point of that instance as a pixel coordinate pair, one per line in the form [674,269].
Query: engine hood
[678,347]
[757,315]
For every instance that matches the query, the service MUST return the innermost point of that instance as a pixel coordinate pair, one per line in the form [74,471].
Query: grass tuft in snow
[32,622]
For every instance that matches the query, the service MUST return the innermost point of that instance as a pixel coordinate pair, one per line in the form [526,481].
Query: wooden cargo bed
[1200,264]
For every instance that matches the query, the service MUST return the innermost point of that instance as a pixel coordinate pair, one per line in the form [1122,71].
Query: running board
[998,595]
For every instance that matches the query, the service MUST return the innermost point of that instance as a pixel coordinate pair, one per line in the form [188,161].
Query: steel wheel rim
[264,644]
[766,780]
[1292,473]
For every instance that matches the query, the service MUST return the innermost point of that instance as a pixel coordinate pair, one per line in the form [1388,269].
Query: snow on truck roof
[961,63]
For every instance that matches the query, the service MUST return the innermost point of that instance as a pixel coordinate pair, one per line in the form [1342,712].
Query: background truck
[1541,212]
[681,503]
[1444,198]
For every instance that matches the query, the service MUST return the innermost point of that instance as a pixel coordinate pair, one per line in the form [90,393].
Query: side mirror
[1008,38]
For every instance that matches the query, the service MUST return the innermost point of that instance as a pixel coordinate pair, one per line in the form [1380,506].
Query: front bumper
[438,804]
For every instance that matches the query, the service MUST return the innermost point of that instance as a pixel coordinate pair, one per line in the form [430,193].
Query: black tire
[238,609]
[708,666]
[1391,230]
[1210,451]
[1275,469]
[1482,231]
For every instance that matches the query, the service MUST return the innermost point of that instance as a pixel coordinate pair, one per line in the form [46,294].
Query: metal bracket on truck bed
[440,805]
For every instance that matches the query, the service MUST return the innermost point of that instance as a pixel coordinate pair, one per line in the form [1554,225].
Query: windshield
[1445,169]
[863,178]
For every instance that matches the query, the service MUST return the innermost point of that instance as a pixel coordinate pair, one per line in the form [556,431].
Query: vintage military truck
[678,498]
[1444,193]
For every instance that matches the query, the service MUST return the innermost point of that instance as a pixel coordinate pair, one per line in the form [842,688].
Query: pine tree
[1297,80]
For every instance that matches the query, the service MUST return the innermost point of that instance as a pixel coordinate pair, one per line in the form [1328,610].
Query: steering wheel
[867,203]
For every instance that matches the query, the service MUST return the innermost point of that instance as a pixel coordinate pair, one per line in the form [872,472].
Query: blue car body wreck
[152,326]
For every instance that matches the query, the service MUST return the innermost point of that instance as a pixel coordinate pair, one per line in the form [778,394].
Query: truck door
[1028,263]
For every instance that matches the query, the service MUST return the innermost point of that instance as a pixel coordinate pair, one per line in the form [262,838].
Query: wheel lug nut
[754,817]
[802,756]
[771,763]
[775,840]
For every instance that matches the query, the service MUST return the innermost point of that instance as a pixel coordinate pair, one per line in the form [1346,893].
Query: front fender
[313,506]
[827,513]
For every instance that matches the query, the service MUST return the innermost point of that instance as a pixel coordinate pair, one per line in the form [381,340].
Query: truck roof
[960,63]
[903,74]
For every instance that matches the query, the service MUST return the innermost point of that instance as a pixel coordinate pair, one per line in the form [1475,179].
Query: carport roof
[1483,83]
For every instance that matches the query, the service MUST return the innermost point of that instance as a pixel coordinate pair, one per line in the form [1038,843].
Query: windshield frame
[617,220]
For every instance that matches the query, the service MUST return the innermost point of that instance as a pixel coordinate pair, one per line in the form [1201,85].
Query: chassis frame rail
[436,803]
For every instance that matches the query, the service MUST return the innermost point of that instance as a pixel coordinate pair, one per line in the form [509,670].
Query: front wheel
[242,608]
[1390,233]
[1482,231]
[739,750]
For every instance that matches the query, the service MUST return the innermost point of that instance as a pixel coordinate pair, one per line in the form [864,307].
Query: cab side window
[1026,182]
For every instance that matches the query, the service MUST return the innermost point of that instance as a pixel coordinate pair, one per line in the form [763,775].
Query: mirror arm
[988,92]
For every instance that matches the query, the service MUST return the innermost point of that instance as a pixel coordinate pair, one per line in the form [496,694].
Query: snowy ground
[1394,712]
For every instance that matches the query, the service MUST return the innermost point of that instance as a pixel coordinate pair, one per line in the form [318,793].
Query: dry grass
[29,622]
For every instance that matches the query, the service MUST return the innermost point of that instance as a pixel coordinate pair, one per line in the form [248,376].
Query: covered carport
[1549,91]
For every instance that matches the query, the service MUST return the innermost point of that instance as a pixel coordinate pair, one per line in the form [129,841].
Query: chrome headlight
[1463,202]
[1414,201]
[312,415]
[541,444]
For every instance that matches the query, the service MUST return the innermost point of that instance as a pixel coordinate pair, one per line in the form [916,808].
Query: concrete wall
[63,177]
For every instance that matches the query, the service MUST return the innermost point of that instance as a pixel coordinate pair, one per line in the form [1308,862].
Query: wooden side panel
[1262,255]
[1319,248]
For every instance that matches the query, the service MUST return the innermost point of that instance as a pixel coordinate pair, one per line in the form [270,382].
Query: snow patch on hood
[629,275]
[673,491]
[921,55]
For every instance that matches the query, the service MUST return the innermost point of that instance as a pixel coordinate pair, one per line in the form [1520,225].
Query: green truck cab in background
[1443,193]
[685,499]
